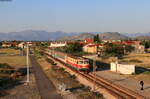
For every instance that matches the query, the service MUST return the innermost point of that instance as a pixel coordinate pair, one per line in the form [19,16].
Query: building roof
[93,45]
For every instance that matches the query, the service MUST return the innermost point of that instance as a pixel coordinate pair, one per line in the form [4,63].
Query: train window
[80,62]
[86,62]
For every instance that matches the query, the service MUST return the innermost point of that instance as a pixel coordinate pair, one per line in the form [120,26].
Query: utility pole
[27,60]
[94,65]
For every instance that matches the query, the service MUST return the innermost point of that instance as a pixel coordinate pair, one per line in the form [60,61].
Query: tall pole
[27,57]
[94,65]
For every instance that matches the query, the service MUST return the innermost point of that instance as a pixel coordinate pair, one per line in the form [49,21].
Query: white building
[58,44]
[21,45]
[122,68]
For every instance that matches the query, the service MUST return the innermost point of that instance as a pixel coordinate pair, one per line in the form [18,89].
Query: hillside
[78,37]
[112,36]
[34,35]
[142,38]
[41,35]
[136,34]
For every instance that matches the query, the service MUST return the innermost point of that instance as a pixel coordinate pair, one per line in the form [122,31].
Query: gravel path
[46,88]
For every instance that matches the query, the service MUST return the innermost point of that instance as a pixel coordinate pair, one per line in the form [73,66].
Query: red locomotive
[76,62]
[79,63]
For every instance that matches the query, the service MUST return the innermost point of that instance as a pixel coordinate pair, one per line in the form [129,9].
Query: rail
[116,90]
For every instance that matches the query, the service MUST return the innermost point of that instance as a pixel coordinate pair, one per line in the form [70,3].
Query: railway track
[118,91]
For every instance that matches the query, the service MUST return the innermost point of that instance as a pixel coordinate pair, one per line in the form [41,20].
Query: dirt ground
[18,90]
[23,91]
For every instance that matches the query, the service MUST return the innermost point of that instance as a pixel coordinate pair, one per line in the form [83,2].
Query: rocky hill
[112,36]
[30,35]
[81,36]
[142,38]
[40,35]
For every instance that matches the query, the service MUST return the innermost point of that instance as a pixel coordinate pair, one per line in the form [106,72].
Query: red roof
[92,45]
[127,42]
[89,40]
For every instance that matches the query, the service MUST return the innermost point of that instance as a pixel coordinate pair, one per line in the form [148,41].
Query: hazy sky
[75,15]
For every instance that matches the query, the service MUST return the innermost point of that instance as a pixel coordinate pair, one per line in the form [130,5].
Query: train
[75,62]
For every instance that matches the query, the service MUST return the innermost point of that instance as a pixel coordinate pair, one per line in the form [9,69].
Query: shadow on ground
[7,83]
[99,65]
[139,70]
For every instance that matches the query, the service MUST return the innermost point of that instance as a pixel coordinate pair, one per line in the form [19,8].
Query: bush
[147,72]
[5,65]
[73,76]
[98,94]
[61,69]
[50,61]
[136,60]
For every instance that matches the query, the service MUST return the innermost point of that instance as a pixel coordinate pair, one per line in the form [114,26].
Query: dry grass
[17,61]
[142,60]
[9,51]
[11,57]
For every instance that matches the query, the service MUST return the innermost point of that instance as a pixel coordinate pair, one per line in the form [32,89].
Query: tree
[97,39]
[73,48]
[146,44]
[1,44]
[118,49]
[128,48]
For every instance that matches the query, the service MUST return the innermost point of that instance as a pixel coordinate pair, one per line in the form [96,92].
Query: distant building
[6,44]
[92,48]
[21,45]
[138,48]
[30,43]
[58,44]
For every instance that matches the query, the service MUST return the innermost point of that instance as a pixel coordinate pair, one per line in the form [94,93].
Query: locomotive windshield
[83,62]
[86,62]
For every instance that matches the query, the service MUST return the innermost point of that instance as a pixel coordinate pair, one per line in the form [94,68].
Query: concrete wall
[122,68]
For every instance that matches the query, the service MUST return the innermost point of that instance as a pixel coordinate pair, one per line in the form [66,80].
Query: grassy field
[14,61]
[9,51]
[142,60]
[12,57]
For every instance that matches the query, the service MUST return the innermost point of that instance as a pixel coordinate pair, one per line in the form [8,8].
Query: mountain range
[29,35]
[40,35]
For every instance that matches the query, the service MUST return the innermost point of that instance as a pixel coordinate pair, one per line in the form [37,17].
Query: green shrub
[61,69]
[50,61]
[147,72]
[136,60]
[73,76]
